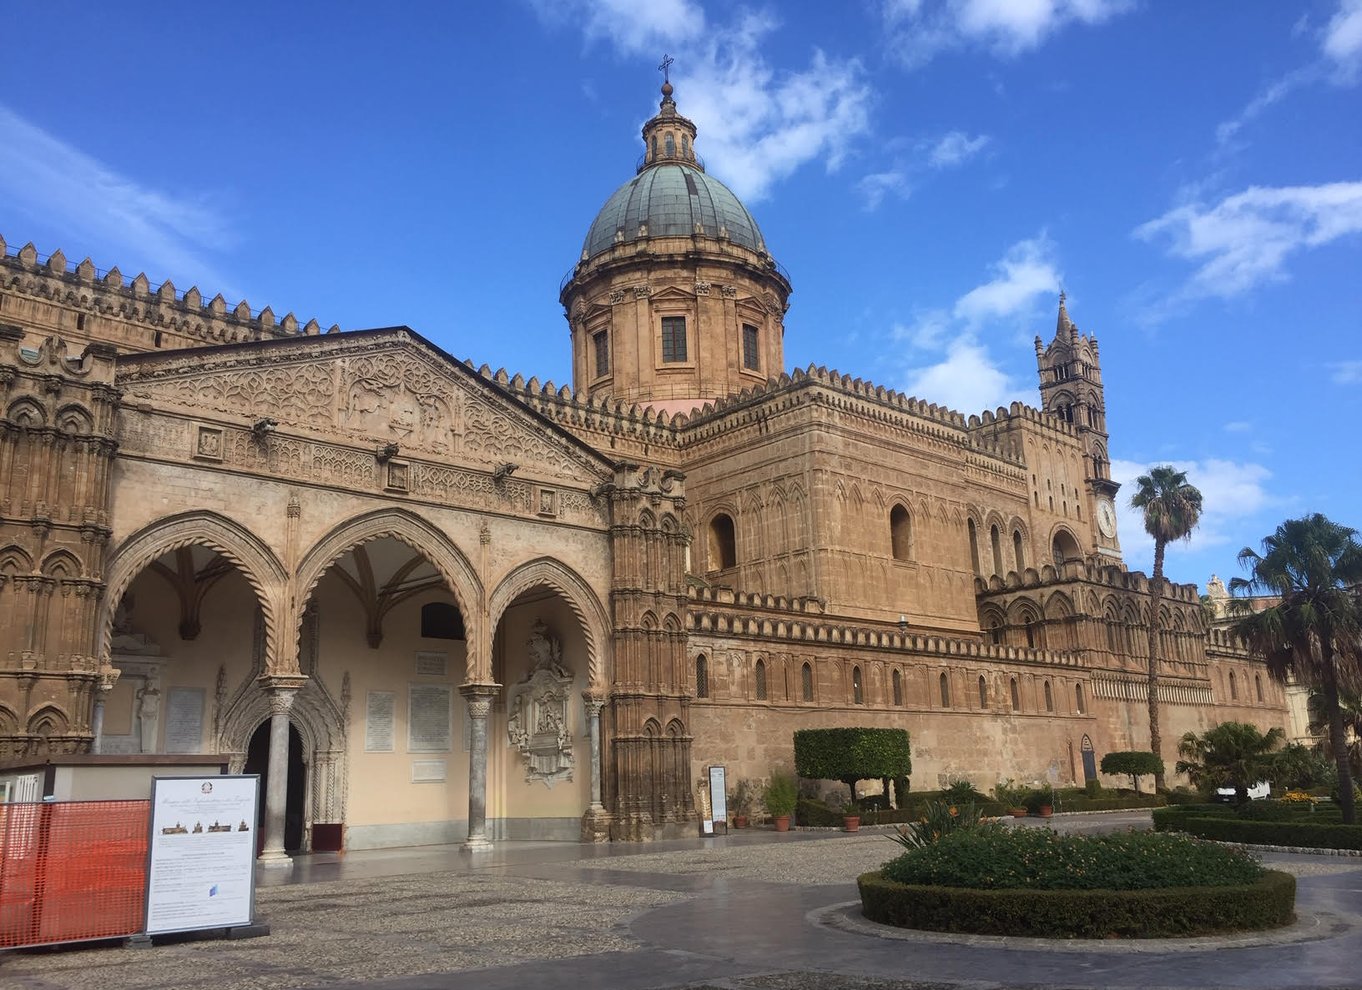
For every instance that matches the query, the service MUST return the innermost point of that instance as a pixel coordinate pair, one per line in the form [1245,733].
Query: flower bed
[1035,882]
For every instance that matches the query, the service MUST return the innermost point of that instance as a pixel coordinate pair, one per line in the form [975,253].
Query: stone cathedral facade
[448,604]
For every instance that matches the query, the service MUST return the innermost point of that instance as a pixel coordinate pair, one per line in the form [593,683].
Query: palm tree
[1171,510]
[1313,566]
[1233,754]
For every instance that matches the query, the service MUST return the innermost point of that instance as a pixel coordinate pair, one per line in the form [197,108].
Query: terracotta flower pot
[1045,811]
[851,823]
[782,823]
[1020,812]
[740,821]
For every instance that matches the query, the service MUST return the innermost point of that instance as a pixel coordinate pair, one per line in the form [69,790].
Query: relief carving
[539,724]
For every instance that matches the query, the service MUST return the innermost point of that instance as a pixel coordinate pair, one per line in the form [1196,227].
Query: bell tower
[1070,370]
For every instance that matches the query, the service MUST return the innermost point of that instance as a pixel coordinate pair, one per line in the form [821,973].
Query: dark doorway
[1089,760]
[258,761]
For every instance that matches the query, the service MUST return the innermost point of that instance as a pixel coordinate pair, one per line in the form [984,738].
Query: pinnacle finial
[665,68]
[1063,324]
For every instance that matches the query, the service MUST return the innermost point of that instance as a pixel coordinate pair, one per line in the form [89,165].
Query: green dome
[672,200]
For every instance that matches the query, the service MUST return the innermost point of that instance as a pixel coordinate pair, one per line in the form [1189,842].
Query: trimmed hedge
[815,813]
[1083,803]
[1231,829]
[1174,911]
[852,754]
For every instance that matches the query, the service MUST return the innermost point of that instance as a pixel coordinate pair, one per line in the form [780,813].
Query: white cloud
[1233,494]
[1346,372]
[758,123]
[1238,426]
[920,29]
[956,148]
[631,27]
[45,176]
[1269,97]
[964,374]
[967,379]
[1246,238]
[876,186]
[1342,40]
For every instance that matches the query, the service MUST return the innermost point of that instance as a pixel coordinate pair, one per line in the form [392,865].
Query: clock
[1106,517]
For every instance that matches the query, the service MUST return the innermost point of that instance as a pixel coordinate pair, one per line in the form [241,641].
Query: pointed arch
[49,720]
[580,598]
[253,557]
[62,563]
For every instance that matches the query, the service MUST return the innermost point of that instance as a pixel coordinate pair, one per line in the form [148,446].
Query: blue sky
[931,172]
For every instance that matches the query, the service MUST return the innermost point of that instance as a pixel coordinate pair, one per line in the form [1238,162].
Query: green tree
[1233,754]
[852,754]
[1134,762]
[1171,509]
[1313,568]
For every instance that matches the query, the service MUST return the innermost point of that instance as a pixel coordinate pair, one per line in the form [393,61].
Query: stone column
[108,677]
[596,821]
[281,691]
[479,697]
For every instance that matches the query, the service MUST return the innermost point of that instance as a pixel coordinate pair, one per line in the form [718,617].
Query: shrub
[1039,797]
[1270,811]
[959,791]
[1135,763]
[852,754]
[1009,794]
[781,795]
[816,814]
[1109,802]
[1264,903]
[1093,788]
[941,819]
[1294,833]
[1040,859]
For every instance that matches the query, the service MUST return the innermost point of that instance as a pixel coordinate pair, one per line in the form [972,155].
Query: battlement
[1021,414]
[112,295]
[802,619]
[1108,575]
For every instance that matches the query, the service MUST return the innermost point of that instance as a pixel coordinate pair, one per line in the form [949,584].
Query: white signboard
[718,796]
[201,871]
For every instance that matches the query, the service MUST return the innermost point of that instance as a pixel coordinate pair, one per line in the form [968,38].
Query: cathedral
[433,603]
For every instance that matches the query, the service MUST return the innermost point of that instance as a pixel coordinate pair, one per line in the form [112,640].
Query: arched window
[1065,547]
[1234,688]
[1113,634]
[1258,686]
[759,677]
[996,542]
[983,692]
[945,692]
[898,689]
[685,145]
[901,533]
[1049,698]
[973,545]
[857,691]
[723,544]
[1078,699]
[440,620]
[654,145]
[995,631]
[669,142]
[1016,696]
[1018,553]
[701,677]
[1029,624]
[806,682]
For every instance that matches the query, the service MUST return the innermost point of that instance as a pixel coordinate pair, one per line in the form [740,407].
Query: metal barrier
[72,871]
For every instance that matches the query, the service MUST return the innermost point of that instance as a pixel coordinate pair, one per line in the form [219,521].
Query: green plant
[742,798]
[1136,763]
[958,791]
[1305,833]
[1313,566]
[1039,797]
[781,795]
[940,819]
[1010,794]
[852,754]
[1233,754]
[1093,788]
[1172,509]
[1300,766]
[1268,902]
[1041,859]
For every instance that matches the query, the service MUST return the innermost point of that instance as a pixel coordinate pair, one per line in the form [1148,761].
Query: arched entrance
[258,761]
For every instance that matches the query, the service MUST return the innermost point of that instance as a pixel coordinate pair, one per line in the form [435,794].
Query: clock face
[1106,518]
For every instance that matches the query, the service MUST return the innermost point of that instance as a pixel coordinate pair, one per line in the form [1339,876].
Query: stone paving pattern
[750,911]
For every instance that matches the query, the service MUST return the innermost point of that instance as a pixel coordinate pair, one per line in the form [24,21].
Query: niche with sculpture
[539,723]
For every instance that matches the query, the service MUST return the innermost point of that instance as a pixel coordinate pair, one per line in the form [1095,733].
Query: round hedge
[1268,902]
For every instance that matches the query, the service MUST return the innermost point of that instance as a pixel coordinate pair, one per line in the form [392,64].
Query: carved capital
[281,689]
[593,705]
[479,698]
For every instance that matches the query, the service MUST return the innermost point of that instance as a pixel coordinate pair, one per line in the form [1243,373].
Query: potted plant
[740,801]
[851,755]
[1041,801]
[1012,796]
[780,797]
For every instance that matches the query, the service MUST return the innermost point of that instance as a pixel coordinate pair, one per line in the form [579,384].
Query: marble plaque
[429,718]
[379,711]
[432,664]
[429,771]
[184,720]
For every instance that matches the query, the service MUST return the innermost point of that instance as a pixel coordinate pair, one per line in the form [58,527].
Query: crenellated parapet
[84,304]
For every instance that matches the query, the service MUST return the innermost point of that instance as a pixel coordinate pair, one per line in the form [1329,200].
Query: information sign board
[201,868]
[718,794]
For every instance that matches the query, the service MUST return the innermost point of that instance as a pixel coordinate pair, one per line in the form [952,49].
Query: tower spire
[669,137]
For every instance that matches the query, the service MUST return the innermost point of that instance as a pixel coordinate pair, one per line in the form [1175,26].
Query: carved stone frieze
[539,723]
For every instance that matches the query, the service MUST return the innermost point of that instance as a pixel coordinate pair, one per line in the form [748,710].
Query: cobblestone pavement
[751,911]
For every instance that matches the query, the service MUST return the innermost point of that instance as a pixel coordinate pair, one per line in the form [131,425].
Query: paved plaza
[751,910]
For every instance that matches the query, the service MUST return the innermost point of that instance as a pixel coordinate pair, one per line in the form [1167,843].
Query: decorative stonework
[208,443]
[540,719]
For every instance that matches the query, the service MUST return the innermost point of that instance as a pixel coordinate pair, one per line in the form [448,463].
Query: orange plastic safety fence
[72,870]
